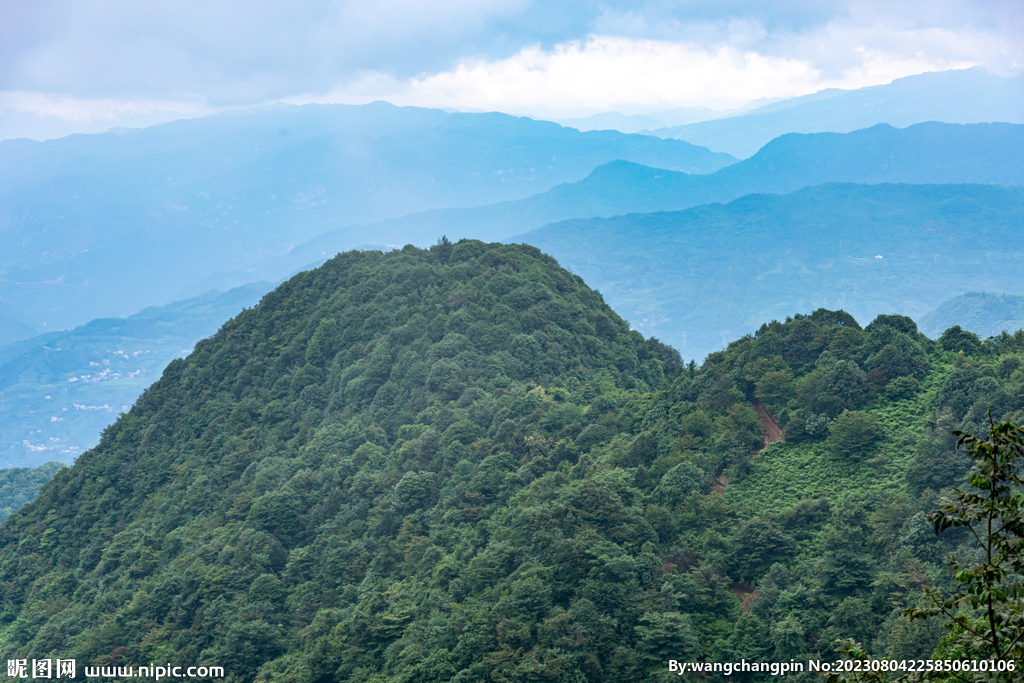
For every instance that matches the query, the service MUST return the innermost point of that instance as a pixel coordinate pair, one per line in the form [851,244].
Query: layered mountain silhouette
[702,320]
[924,153]
[955,96]
[701,277]
[101,225]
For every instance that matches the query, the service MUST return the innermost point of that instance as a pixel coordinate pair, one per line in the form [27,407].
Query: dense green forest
[19,485]
[460,464]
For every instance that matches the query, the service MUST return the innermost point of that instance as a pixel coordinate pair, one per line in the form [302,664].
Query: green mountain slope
[461,465]
[62,388]
[983,313]
[700,277]
[104,225]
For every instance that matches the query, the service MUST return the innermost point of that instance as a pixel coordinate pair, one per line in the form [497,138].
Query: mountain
[635,123]
[103,225]
[61,389]
[956,96]
[14,324]
[460,464]
[20,485]
[984,313]
[700,277]
[613,120]
[924,153]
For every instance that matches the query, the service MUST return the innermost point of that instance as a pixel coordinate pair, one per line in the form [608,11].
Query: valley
[59,391]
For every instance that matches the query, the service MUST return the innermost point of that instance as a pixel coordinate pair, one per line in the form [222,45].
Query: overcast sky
[89,65]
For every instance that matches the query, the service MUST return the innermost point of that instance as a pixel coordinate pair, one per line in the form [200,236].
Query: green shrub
[853,434]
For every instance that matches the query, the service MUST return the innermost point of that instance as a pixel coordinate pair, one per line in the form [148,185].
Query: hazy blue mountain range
[14,324]
[956,96]
[100,225]
[613,120]
[700,277]
[984,313]
[59,390]
[634,123]
[923,153]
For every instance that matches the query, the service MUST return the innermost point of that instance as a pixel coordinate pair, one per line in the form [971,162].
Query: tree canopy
[460,464]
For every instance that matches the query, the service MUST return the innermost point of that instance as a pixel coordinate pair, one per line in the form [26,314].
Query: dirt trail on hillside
[770,432]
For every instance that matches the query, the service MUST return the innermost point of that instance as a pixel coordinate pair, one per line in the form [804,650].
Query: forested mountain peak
[322,425]
[460,464]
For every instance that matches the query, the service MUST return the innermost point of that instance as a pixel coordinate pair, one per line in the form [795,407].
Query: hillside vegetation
[460,464]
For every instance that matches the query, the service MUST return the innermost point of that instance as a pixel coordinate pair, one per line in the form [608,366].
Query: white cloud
[41,116]
[607,72]
[231,52]
[69,63]
[99,110]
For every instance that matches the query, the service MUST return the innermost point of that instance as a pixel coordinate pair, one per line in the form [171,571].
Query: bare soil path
[770,432]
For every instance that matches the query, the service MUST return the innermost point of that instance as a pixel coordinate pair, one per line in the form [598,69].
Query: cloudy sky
[86,65]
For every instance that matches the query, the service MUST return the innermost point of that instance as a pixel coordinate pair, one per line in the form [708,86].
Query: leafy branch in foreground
[985,614]
[994,515]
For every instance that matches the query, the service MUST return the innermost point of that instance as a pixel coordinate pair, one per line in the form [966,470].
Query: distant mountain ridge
[699,277]
[14,324]
[923,153]
[986,314]
[635,123]
[100,225]
[955,96]
[926,153]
